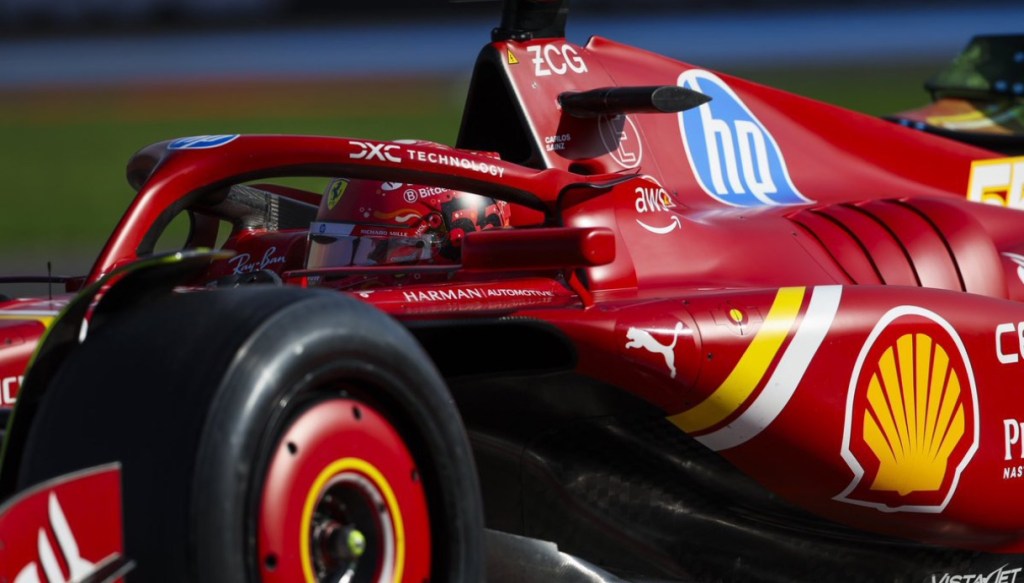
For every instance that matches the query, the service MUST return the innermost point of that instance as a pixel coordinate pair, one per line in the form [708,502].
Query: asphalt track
[396,48]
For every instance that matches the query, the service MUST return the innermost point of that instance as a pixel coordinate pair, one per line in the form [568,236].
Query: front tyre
[271,434]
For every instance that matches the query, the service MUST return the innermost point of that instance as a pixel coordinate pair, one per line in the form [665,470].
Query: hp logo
[732,155]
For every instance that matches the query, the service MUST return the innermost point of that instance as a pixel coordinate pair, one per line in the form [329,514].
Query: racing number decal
[733,156]
[620,137]
[999,182]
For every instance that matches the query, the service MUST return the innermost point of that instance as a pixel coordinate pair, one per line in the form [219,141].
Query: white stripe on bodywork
[814,326]
[28,314]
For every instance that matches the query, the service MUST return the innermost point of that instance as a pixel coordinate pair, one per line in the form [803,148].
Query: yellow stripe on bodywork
[44,320]
[744,378]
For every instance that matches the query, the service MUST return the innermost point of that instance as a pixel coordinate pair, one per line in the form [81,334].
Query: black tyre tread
[376,349]
[82,423]
[164,365]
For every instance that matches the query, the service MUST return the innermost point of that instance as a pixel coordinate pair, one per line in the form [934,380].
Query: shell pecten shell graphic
[916,417]
[911,422]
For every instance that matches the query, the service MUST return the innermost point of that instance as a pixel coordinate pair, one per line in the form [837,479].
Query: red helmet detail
[369,222]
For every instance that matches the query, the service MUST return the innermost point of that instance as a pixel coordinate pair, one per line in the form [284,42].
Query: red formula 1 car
[646,322]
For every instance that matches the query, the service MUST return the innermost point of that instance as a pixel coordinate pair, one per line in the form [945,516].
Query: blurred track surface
[743,38]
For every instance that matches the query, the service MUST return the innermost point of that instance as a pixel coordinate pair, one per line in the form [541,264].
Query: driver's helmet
[368,222]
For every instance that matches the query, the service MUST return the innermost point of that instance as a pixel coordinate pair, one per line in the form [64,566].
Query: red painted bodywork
[22,323]
[64,530]
[757,328]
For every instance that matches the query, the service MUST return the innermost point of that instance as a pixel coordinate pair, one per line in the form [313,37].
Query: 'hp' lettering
[733,157]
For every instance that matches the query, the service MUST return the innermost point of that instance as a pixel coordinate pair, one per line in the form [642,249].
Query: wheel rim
[343,501]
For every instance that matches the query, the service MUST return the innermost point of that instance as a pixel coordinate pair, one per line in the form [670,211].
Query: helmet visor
[347,244]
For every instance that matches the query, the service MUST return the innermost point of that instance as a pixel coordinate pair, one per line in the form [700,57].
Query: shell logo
[911,414]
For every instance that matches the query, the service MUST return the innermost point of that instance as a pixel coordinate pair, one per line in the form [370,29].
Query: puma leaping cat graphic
[639,338]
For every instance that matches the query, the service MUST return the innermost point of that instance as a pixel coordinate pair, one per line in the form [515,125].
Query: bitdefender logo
[733,156]
[911,414]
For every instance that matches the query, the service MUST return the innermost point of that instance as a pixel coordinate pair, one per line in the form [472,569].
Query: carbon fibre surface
[641,498]
[632,494]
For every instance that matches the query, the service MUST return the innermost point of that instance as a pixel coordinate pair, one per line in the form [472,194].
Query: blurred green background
[63,152]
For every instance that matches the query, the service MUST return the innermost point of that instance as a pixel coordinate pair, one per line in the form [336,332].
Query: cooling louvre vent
[916,242]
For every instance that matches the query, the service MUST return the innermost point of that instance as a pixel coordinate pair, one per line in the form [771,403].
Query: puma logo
[639,338]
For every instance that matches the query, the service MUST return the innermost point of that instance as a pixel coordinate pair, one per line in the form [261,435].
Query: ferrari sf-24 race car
[646,321]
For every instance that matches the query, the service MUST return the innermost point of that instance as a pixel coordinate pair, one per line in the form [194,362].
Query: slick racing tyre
[268,434]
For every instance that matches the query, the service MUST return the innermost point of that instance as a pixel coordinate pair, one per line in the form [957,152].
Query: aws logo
[911,415]
[734,158]
[656,200]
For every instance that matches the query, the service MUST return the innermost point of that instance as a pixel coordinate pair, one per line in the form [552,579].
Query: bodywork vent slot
[918,242]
